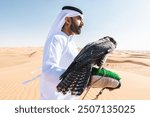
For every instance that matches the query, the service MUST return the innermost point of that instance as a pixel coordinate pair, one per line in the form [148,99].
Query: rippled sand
[18,65]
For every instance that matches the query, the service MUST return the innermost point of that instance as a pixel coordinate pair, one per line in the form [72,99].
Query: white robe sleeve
[51,70]
[52,55]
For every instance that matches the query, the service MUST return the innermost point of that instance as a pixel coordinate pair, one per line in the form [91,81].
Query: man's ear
[68,20]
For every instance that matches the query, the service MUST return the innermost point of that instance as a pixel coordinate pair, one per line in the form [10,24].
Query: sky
[27,22]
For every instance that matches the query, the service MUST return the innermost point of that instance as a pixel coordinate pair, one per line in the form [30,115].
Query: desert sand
[18,65]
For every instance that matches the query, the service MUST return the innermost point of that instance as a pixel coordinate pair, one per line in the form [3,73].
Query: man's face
[76,24]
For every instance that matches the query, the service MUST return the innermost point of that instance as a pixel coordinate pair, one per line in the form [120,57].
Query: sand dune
[18,65]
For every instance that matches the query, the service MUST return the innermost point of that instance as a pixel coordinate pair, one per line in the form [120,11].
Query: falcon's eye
[113,41]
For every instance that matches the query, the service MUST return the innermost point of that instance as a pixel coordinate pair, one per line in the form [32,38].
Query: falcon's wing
[77,76]
[75,81]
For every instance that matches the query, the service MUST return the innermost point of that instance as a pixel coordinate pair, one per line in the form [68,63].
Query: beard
[75,28]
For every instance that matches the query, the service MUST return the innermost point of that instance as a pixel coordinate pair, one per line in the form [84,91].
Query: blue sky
[27,22]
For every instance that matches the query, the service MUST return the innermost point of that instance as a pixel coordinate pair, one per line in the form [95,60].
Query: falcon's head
[111,40]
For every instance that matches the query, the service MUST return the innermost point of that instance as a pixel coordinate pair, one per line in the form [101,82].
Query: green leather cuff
[105,73]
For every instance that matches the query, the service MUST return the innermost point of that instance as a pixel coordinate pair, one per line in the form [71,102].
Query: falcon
[78,75]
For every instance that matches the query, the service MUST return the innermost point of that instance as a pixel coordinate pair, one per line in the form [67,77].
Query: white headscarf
[60,20]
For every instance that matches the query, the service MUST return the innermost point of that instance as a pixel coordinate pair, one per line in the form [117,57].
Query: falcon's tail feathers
[76,81]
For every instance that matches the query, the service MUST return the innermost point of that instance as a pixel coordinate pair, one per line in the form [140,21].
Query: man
[60,51]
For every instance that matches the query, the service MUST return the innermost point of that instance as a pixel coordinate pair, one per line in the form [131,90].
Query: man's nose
[82,23]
